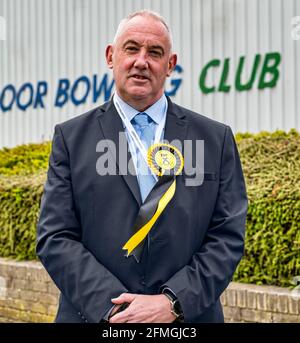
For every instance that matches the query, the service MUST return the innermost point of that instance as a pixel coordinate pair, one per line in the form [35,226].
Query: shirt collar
[156,112]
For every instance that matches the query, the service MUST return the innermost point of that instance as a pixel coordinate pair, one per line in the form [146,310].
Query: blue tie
[144,127]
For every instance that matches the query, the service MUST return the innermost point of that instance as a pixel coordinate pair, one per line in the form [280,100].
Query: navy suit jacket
[85,219]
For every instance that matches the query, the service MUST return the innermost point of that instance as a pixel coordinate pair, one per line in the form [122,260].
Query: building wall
[27,294]
[51,40]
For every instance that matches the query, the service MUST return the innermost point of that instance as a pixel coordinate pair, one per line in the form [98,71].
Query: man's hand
[114,310]
[143,309]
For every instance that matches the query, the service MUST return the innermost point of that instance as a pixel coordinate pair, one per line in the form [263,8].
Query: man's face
[141,61]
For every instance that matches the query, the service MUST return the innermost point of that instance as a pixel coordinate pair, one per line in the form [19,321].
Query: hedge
[271,164]
[24,159]
[19,208]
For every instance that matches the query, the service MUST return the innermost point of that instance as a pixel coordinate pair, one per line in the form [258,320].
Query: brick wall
[261,304]
[27,294]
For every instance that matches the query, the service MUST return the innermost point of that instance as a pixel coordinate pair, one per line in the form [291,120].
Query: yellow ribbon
[138,237]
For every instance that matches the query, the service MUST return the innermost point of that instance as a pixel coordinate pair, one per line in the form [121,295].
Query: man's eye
[155,53]
[131,48]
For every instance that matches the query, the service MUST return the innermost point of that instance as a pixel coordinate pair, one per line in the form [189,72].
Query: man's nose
[141,60]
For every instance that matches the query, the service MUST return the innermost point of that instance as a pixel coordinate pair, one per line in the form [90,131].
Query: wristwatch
[175,305]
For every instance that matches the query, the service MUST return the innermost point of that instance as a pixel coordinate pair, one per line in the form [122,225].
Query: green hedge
[24,159]
[271,164]
[19,208]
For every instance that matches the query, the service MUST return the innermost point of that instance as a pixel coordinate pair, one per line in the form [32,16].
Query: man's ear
[108,56]
[172,64]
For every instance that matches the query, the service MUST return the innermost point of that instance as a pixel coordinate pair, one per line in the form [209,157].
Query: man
[190,254]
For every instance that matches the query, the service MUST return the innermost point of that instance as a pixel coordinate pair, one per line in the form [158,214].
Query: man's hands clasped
[142,309]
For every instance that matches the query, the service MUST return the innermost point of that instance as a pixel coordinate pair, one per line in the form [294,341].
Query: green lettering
[202,85]
[248,85]
[223,87]
[272,69]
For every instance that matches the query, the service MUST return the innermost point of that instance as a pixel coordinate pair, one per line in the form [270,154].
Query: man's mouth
[139,77]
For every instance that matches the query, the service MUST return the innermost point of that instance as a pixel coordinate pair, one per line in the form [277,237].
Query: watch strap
[177,312]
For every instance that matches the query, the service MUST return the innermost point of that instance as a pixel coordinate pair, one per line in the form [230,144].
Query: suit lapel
[111,125]
[176,125]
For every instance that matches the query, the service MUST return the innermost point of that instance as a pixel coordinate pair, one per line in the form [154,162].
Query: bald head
[146,14]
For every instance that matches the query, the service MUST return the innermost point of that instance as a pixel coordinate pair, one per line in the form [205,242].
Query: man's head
[141,58]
